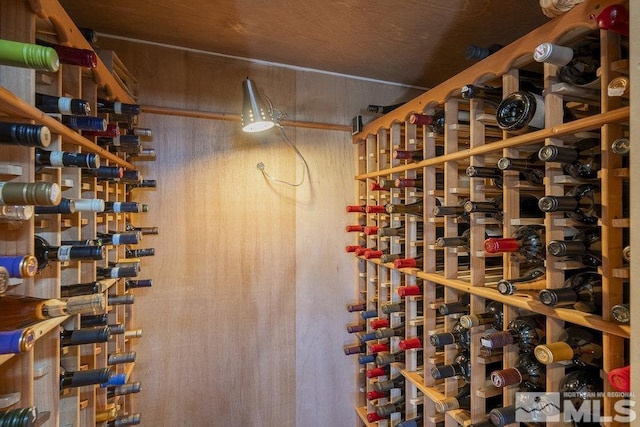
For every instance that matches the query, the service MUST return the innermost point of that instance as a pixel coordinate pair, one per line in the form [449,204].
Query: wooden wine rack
[481,143]
[36,374]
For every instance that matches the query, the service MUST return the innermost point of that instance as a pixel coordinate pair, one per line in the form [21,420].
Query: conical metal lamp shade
[256,116]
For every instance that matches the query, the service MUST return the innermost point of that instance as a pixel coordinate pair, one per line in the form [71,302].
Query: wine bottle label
[117,107]
[64,253]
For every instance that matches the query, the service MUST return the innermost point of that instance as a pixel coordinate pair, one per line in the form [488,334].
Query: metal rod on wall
[150,109]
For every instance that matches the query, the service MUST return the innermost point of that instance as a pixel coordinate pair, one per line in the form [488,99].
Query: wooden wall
[245,323]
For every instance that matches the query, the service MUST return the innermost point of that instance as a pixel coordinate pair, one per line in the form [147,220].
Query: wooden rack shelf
[449,275]
[35,374]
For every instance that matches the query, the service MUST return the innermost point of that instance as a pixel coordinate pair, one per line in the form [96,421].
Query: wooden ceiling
[413,42]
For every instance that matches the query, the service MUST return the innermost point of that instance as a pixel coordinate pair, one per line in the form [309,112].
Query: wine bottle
[580,204]
[82,378]
[413,422]
[459,211]
[399,231]
[123,207]
[142,132]
[105,172]
[354,349]
[116,272]
[614,18]
[578,64]
[123,390]
[84,336]
[385,358]
[24,134]
[574,344]
[580,384]
[134,284]
[82,289]
[124,141]
[376,372]
[521,112]
[492,315]
[66,159]
[28,55]
[62,105]
[408,182]
[30,193]
[383,109]
[581,160]
[124,238]
[460,368]
[526,246]
[621,313]
[529,169]
[89,320]
[89,123]
[390,384]
[111,131]
[528,207]
[23,417]
[16,213]
[491,95]
[456,307]
[385,410]
[66,206]
[46,253]
[117,107]
[462,400]
[526,331]
[620,379]
[527,368]
[125,299]
[408,155]
[143,230]
[17,266]
[458,335]
[532,280]
[410,343]
[479,52]
[414,262]
[386,332]
[139,253]
[88,205]
[582,291]
[503,416]
[17,341]
[357,327]
[415,208]
[145,183]
[436,121]
[584,247]
[621,146]
[73,56]
[20,311]
[410,290]
[118,358]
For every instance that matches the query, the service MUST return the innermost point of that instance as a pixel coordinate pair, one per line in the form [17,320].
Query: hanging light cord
[305,170]
[277,116]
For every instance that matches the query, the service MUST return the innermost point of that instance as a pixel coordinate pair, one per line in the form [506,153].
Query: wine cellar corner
[69,224]
[492,238]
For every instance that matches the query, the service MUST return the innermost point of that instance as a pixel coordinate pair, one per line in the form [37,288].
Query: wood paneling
[416,42]
[246,321]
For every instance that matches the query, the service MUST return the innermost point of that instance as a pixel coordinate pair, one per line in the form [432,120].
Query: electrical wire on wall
[277,116]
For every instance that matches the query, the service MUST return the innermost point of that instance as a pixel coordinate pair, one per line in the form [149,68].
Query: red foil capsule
[356,208]
[354,228]
[375,209]
[379,323]
[377,348]
[506,244]
[410,343]
[405,263]
[614,18]
[413,290]
[373,395]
